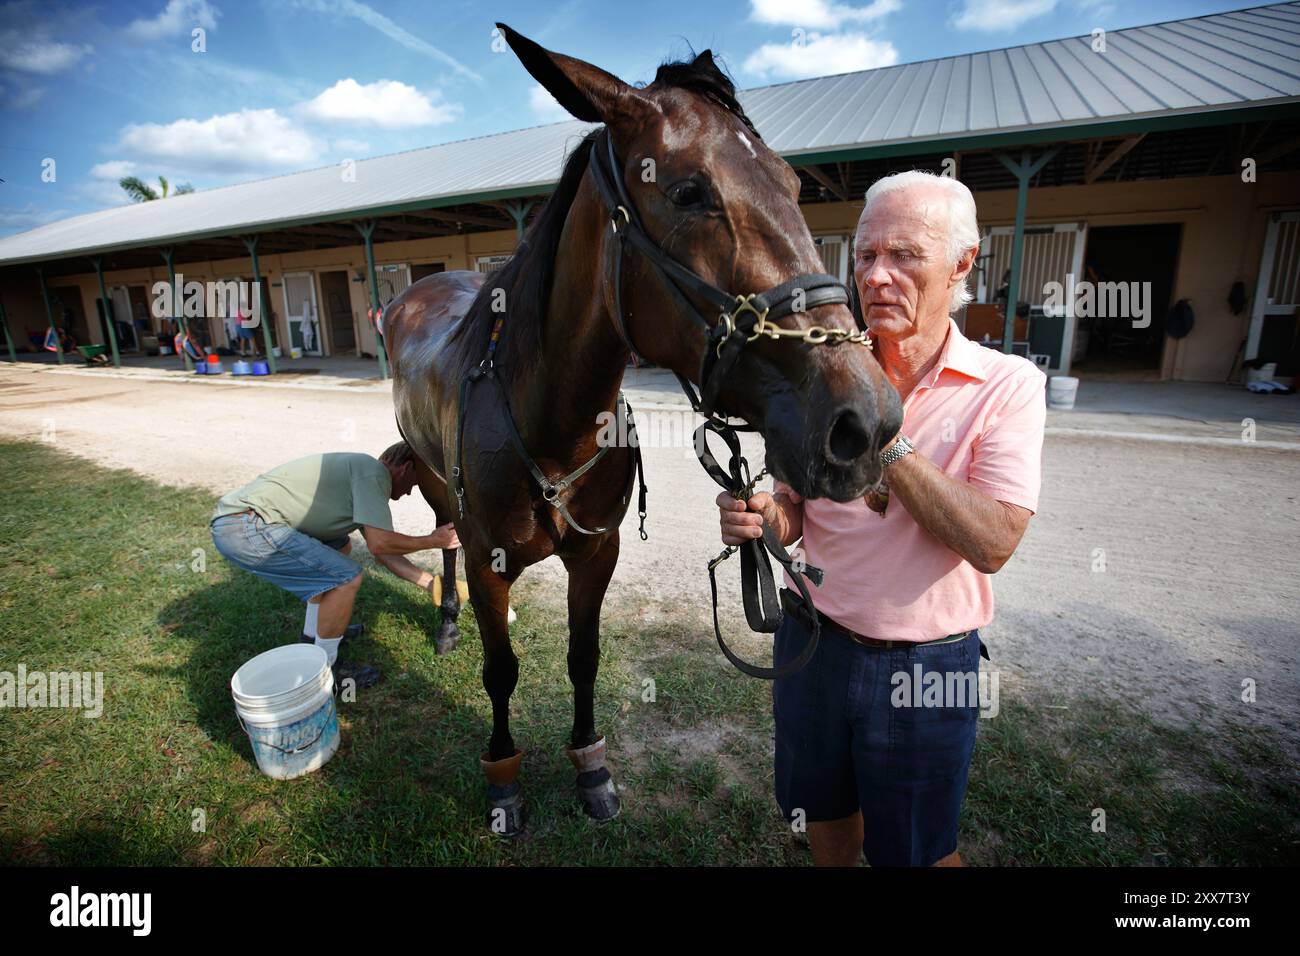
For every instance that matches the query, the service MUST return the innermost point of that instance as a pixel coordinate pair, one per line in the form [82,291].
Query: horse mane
[526,279]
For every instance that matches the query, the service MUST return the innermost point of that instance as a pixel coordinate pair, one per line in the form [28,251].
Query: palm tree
[140,191]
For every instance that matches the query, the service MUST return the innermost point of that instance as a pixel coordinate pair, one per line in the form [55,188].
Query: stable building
[1159,162]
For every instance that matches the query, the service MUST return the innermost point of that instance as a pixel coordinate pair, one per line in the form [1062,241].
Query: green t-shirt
[324,496]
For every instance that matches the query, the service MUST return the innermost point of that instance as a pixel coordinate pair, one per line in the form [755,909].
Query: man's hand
[743,520]
[444,538]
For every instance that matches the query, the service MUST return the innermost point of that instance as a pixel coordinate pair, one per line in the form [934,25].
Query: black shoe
[363,674]
[353,630]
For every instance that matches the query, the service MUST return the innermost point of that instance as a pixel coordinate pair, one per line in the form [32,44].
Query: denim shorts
[842,745]
[287,558]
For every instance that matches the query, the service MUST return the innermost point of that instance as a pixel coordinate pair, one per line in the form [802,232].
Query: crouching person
[290,526]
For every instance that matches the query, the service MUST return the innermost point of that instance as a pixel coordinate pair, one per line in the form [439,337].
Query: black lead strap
[757,587]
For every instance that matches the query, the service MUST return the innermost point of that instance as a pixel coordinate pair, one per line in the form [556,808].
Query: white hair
[962,230]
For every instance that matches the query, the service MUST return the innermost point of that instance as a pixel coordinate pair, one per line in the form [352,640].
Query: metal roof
[1169,72]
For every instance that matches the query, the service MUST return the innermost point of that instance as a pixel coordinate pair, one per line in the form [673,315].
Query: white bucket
[1061,390]
[295,352]
[285,702]
[1264,373]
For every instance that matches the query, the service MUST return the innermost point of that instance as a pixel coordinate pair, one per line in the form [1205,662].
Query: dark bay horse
[723,205]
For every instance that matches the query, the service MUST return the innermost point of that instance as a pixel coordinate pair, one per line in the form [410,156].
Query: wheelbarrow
[94,354]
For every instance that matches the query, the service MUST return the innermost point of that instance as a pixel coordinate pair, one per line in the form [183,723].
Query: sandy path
[1200,589]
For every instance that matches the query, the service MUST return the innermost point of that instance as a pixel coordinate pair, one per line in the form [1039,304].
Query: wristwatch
[899,449]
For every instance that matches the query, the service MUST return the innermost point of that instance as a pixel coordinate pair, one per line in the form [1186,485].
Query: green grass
[96,575]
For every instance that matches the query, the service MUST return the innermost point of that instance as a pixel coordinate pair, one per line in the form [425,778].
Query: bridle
[742,319]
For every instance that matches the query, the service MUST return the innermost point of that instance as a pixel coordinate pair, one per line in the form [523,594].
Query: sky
[213,92]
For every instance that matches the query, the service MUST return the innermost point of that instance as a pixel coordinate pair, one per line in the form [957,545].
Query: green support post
[519,212]
[367,230]
[9,342]
[1024,170]
[168,255]
[108,310]
[250,243]
[49,314]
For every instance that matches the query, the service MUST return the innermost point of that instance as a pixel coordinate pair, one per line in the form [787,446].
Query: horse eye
[686,193]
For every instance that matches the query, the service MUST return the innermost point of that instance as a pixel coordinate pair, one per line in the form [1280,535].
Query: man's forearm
[973,524]
[395,543]
[405,569]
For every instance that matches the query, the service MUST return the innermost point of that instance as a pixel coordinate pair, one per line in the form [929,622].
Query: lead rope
[757,587]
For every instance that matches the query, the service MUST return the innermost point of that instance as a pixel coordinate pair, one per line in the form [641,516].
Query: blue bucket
[261,368]
[241,368]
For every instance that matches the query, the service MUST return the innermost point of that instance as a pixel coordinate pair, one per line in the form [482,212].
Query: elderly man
[290,526]
[908,568]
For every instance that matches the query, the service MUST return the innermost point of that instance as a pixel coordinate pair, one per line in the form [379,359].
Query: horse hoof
[506,810]
[598,796]
[446,641]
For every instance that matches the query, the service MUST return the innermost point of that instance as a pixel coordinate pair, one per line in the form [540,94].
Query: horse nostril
[848,439]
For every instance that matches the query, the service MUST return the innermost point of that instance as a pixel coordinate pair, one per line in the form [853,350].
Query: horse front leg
[588,581]
[448,598]
[447,593]
[490,595]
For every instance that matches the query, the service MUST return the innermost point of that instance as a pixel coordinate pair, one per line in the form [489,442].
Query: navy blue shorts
[842,745]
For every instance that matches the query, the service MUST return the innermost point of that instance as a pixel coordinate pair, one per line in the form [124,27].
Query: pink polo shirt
[979,416]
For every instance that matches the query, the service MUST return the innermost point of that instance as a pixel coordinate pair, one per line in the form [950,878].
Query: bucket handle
[293,750]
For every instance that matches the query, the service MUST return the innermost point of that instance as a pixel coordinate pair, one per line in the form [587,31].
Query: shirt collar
[960,354]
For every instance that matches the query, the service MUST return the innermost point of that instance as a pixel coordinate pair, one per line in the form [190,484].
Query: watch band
[900,449]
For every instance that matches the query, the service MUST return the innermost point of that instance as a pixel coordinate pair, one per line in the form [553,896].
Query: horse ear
[586,91]
[705,63]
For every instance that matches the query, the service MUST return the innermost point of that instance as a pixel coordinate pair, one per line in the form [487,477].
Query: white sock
[309,623]
[331,647]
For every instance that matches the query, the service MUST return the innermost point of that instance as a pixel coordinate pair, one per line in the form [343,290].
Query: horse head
[714,198]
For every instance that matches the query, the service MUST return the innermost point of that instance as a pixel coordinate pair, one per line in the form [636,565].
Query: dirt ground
[1199,592]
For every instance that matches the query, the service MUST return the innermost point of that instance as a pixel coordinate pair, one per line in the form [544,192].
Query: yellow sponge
[462,590]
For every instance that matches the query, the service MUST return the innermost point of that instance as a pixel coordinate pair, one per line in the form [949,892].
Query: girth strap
[762,603]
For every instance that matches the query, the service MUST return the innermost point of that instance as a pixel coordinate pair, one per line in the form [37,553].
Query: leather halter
[741,319]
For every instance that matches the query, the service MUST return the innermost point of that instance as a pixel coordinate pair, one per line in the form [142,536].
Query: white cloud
[114,169]
[352,147]
[819,14]
[544,105]
[373,18]
[248,140]
[178,17]
[989,16]
[820,56]
[384,103]
[31,54]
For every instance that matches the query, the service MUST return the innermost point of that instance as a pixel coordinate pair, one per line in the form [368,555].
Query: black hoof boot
[597,794]
[505,800]
[506,810]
